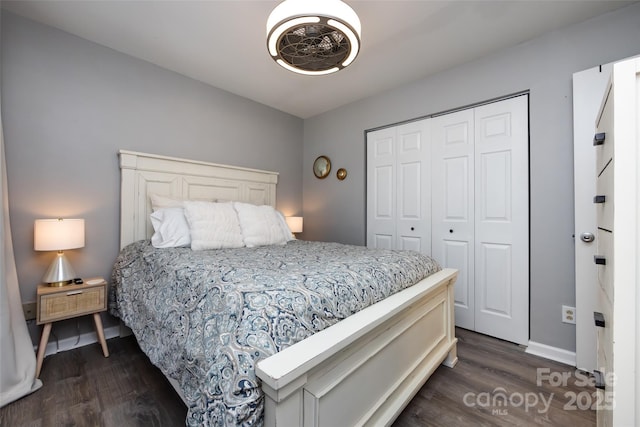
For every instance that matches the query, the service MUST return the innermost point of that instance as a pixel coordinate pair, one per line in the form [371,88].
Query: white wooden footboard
[365,369]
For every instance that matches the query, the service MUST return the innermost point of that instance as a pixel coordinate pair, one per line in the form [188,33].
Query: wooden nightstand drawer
[70,301]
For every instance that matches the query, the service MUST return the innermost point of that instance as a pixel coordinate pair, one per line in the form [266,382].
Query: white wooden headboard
[145,174]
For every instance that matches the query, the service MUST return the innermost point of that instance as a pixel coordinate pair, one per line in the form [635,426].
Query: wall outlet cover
[29,310]
[568,314]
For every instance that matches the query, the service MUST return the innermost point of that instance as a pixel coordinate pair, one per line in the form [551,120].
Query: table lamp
[58,235]
[294,223]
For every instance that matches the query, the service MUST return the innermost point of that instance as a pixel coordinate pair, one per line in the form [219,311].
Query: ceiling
[222,43]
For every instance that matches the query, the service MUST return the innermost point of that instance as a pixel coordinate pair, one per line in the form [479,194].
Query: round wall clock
[322,167]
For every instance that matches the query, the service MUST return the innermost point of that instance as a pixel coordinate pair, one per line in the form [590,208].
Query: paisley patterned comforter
[205,318]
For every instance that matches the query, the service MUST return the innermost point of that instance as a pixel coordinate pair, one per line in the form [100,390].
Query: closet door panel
[456,189]
[382,241]
[456,254]
[502,219]
[452,205]
[495,196]
[413,225]
[381,184]
[384,197]
[495,268]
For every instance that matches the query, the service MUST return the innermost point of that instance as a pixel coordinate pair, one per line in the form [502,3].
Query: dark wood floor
[488,368]
[82,388]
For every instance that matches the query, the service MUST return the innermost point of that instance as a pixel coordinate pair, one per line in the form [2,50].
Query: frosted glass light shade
[313,37]
[294,223]
[58,234]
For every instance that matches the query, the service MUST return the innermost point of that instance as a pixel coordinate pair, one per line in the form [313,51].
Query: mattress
[205,318]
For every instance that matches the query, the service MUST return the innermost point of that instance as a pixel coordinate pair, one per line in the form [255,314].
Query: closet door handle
[412,228]
[600,199]
[451,230]
[598,139]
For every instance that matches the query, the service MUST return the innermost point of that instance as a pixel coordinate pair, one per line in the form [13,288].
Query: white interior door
[452,146]
[381,189]
[588,91]
[502,219]
[413,226]
[480,214]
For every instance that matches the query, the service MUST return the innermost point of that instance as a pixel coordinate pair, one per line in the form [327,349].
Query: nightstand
[67,302]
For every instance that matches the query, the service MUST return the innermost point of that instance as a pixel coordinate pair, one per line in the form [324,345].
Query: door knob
[587,237]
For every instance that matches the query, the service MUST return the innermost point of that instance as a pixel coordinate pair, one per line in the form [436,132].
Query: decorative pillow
[287,230]
[213,225]
[261,225]
[285,227]
[171,228]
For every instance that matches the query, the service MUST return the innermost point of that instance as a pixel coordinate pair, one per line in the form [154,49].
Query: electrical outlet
[29,310]
[568,314]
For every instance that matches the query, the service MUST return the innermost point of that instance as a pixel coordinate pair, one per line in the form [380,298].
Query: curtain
[17,358]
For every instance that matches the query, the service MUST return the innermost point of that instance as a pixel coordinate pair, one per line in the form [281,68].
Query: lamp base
[60,284]
[60,272]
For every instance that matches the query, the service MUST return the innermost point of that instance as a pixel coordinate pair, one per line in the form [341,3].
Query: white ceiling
[222,43]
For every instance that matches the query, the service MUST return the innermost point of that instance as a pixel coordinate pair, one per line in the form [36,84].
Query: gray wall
[68,105]
[335,210]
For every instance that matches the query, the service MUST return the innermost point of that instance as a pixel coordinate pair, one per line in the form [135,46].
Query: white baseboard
[553,353]
[77,342]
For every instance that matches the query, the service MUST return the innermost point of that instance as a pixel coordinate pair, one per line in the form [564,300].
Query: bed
[362,369]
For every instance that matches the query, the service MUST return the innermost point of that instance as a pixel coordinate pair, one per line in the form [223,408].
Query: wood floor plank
[83,388]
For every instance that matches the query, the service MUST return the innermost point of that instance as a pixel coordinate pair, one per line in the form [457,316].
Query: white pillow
[171,228]
[212,225]
[159,202]
[262,225]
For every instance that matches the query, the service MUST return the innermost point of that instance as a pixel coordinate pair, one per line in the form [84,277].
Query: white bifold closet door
[399,189]
[480,214]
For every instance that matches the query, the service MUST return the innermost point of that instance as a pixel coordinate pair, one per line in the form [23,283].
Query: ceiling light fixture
[313,37]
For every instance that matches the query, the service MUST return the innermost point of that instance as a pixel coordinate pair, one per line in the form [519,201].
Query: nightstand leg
[44,339]
[100,332]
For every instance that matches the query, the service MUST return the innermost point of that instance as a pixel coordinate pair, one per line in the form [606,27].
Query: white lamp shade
[294,223]
[58,234]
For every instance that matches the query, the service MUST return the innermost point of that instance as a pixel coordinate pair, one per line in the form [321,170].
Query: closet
[478,209]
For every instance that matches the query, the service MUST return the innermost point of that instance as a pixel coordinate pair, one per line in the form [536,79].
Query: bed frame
[361,371]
